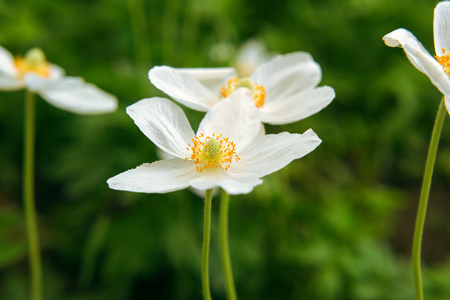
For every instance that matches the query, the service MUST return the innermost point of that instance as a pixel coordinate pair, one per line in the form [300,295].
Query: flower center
[212,152]
[444,60]
[34,61]
[259,93]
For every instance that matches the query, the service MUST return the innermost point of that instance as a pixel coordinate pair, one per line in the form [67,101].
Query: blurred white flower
[226,152]
[437,68]
[284,89]
[221,52]
[34,73]
[250,55]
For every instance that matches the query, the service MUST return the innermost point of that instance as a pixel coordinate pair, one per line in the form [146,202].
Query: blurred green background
[337,224]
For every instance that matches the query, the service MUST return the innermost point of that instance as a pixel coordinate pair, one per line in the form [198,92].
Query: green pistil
[212,149]
[35,57]
[247,83]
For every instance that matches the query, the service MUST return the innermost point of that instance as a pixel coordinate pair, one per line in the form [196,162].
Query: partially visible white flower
[226,152]
[436,68]
[250,55]
[222,52]
[34,73]
[284,89]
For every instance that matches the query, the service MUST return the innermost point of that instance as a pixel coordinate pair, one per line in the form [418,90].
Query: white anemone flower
[34,73]
[226,152]
[250,55]
[284,89]
[436,68]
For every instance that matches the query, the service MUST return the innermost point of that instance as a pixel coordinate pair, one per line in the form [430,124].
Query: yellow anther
[259,93]
[34,61]
[444,60]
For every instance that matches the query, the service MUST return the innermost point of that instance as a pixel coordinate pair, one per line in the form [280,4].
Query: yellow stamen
[259,93]
[444,60]
[212,152]
[34,61]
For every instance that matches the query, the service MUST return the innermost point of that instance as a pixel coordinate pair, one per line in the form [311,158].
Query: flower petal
[442,27]
[7,63]
[447,103]
[56,72]
[287,74]
[297,106]
[36,83]
[8,83]
[406,40]
[164,123]
[233,184]
[419,57]
[240,185]
[235,117]
[159,177]
[272,152]
[182,87]
[73,94]
[211,78]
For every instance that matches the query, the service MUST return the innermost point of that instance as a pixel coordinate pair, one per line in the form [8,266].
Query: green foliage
[336,224]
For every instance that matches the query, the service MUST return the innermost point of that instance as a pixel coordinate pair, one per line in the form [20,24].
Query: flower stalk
[224,246]
[424,195]
[28,197]
[206,241]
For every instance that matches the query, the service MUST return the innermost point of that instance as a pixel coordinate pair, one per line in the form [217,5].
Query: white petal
[211,78]
[272,152]
[182,87]
[447,103]
[159,177]
[8,83]
[297,106]
[238,183]
[7,63]
[37,83]
[235,117]
[164,123]
[56,72]
[442,27]
[419,57]
[73,94]
[262,130]
[287,74]
[405,39]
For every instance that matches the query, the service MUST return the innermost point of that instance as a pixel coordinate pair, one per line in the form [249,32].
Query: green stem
[424,194]
[205,250]
[28,198]
[224,246]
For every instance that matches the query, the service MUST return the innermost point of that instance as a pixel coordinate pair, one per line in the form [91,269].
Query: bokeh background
[337,224]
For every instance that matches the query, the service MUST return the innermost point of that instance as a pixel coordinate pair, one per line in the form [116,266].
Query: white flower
[438,70]
[284,89]
[34,73]
[226,151]
[250,55]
